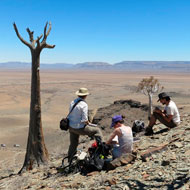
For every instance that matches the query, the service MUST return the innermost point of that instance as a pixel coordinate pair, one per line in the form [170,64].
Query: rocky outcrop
[162,161]
[131,109]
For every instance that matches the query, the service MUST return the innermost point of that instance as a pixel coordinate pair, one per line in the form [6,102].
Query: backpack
[98,155]
[94,161]
[73,166]
[138,126]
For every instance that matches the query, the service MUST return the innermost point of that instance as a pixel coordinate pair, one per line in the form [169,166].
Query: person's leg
[155,116]
[116,152]
[148,129]
[92,131]
[87,130]
[74,140]
[170,124]
[74,137]
[152,120]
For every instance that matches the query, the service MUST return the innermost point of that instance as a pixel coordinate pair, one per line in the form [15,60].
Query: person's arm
[168,114]
[115,132]
[166,117]
[111,137]
[84,111]
[115,140]
[158,110]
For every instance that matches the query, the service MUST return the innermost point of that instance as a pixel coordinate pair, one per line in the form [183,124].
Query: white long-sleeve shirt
[79,115]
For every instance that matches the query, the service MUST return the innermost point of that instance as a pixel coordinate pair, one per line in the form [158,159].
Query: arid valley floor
[58,90]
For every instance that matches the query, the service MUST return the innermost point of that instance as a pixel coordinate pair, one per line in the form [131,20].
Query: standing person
[124,134]
[169,116]
[78,121]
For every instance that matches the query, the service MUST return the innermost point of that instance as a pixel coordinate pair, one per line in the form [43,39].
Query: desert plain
[58,89]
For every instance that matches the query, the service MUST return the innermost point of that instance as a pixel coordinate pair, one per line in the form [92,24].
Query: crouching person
[125,137]
[169,116]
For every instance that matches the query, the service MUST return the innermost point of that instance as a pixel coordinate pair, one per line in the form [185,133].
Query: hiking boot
[148,131]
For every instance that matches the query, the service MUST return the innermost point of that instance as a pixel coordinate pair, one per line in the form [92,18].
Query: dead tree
[149,86]
[36,152]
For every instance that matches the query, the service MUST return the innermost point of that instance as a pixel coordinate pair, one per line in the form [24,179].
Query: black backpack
[138,126]
[97,156]
[95,161]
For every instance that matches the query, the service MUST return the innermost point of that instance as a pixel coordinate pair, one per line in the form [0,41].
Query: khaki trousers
[74,137]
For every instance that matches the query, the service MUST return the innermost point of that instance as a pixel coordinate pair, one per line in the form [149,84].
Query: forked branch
[40,45]
[44,44]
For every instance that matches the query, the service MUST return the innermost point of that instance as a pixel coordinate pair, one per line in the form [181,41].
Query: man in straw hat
[79,123]
[169,116]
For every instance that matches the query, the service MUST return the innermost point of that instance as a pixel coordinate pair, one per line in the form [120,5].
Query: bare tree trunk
[150,106]
[36,152]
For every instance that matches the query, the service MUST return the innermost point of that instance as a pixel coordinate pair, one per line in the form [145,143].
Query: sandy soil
[58,90]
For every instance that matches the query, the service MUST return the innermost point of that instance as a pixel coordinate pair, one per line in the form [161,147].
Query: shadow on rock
[177,183]
[161,131]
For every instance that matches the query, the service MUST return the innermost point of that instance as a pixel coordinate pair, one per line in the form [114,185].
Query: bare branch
[30,35]
[45,28]
[38,40]
[49,29]
[43,43]
[46,34]
[21,39]
[49,46]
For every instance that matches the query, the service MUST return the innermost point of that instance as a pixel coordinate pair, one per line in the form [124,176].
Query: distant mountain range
[121,66]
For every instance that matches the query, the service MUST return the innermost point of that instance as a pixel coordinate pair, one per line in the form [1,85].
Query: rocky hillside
[162,160]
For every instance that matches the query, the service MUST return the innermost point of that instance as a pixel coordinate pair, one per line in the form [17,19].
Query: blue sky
[98,30]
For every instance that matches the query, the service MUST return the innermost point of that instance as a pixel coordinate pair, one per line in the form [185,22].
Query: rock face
[132,110]
[121,161]
[162,161]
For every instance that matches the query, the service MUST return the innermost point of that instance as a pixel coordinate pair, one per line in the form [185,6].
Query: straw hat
[82,92]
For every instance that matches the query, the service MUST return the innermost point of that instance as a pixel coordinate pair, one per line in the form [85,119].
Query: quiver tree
[36,152]
[149,86]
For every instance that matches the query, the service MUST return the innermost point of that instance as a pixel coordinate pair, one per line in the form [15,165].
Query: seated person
[125,137]
[169,116]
